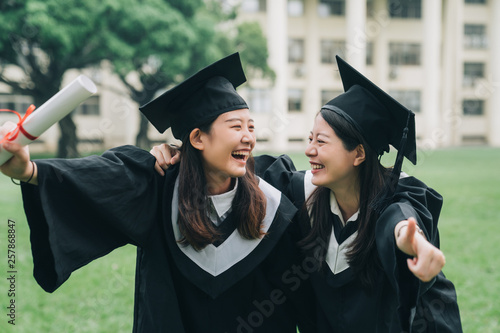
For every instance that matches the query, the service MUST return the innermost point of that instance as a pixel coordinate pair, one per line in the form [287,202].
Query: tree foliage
[44,39]
[251,43]
[152,44]
[170,40]
[159,38]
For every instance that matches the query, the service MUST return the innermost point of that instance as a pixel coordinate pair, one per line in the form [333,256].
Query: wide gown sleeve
[84,208]
[416,309]
[280,172]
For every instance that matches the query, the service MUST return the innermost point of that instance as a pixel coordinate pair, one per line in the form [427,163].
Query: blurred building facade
[107,119]
[437,57]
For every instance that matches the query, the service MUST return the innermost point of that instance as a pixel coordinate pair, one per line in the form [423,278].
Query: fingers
[18,161]
[157,152]
[159,169]
[12,147]
[412,221]
[175,152]
[410,230]
[6,128]
[162,155]
[405,236]
[165,155]
[176,158]
[428,264]
[18,166]
[428,260]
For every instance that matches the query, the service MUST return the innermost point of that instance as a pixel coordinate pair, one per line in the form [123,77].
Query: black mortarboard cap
[199,99]
[380,119]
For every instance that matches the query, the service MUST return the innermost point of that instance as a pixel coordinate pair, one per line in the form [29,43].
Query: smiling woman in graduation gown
[400,299]
[82,209]
[395,300]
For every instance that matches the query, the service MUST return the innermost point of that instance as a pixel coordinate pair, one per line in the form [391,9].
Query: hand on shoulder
[166,155]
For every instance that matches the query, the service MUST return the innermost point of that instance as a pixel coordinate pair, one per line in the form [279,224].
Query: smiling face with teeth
[225,148]
[332,165]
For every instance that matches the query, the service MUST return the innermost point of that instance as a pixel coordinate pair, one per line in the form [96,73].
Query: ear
[195,137]
[360,155]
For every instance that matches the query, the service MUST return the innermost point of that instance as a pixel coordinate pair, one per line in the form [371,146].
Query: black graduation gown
[84,208]
[400,302]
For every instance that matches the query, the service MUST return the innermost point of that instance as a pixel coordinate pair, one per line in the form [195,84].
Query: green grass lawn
[99,297]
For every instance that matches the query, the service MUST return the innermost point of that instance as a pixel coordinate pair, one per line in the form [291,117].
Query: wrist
[420,231]
[30,175]
[400,227]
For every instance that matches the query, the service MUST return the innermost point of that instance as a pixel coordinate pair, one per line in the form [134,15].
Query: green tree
[152,45]
[44,39]
[159,38]
[170,40]
[252,45]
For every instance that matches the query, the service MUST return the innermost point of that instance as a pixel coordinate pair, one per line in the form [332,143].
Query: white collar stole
[216,260]
[336,256]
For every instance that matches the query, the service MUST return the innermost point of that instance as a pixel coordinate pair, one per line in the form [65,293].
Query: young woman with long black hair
[213,239]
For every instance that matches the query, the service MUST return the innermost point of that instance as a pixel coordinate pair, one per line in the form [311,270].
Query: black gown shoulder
[280,172]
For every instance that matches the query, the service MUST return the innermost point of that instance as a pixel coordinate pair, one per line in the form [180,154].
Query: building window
[19,103]
[295,8]
[330,48]
[404,54]
[474,139]
[473,107]
[476,1]
[259,100]
[328,95]
[475,36]
[369,53]
[295,100]
[409,98]
[331,8]
[295,50]
[90,107]
[8,105]
[405,8]
[253,6]
[472,71]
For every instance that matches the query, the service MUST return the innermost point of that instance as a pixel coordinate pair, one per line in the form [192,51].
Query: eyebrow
[318,134]
[238,119]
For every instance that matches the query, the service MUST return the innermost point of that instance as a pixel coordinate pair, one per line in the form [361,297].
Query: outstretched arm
[427,259]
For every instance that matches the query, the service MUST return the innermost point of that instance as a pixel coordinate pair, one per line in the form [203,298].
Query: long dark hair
[362,255]
[249,203]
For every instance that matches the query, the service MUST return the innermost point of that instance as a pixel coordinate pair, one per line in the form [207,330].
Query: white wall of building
[438,77]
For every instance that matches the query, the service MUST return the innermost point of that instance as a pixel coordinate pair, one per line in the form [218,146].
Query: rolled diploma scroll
[56,108]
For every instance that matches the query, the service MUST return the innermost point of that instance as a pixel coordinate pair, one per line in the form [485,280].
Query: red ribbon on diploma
[12,135]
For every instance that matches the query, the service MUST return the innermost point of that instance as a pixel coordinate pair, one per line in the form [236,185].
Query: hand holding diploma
[14,137]
[19,165]
[49,113]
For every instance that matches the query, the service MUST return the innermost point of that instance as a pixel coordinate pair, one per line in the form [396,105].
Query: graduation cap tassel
[385,196]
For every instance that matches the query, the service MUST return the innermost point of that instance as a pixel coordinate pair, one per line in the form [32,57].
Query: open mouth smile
[241,155]
[316,167]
